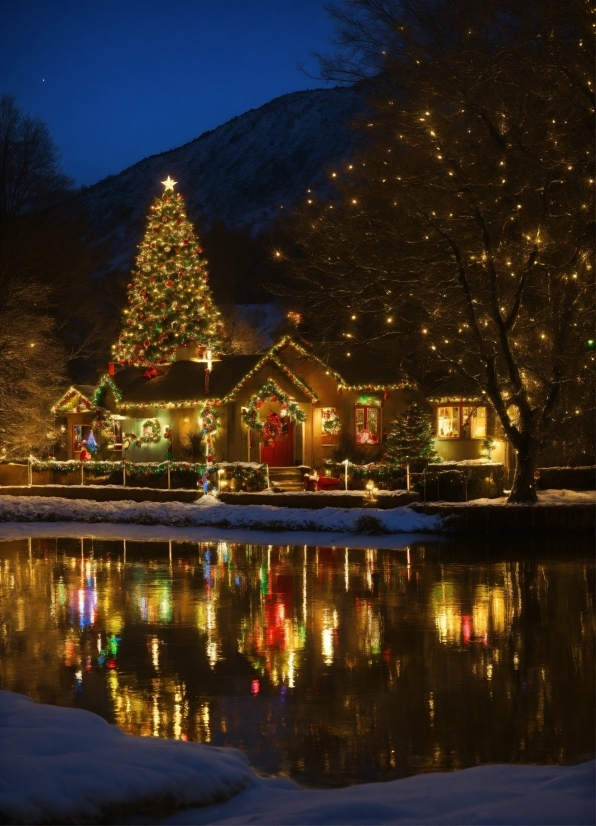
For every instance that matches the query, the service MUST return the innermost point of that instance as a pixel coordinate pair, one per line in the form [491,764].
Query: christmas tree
[410,438]
[169,302]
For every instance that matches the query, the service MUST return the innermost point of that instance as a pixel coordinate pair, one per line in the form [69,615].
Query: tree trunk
[523,490]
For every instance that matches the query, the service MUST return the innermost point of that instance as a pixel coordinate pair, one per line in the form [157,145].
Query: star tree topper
[169,184]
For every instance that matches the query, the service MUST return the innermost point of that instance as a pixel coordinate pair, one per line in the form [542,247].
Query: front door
[280,452]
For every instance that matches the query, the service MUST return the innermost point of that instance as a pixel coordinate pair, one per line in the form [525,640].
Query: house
[284,407]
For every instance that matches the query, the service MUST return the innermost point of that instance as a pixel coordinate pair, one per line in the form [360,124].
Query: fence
[446,482]
[162,475]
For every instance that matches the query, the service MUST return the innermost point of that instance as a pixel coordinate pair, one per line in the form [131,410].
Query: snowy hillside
[243,172]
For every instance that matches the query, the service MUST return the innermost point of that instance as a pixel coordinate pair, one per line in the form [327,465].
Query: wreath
[272,393]
[210,420]
[272,427]
[147,438]
[332,425]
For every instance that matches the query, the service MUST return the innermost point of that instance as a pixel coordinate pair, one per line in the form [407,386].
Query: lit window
[461,422]
[474,420]
[368,421]
[448,423]
[80,434]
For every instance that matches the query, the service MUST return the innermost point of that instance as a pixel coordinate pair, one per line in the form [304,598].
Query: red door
[280,453]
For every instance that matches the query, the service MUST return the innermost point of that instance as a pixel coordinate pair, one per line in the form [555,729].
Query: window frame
[83,438]
[379,430]
[461,420]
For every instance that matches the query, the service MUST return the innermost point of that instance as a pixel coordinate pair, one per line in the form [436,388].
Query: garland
[272,393]
[106,383]
[251,475]
[63,405]
[104,422]
[210,420]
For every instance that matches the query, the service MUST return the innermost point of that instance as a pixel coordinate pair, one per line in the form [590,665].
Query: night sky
[118,80]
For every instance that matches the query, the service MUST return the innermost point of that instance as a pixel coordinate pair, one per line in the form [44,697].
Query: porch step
[287,478]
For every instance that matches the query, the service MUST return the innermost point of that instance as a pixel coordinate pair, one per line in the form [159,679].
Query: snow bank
[528,795]
[69,766]
[209,511]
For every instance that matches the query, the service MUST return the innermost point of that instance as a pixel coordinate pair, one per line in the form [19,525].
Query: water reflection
[333,665]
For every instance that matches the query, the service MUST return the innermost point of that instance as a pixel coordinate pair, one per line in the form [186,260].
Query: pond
[331,665]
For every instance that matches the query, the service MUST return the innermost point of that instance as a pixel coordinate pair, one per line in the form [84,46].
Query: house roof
[182,384]
[361,370]
[77,395]
[452,387]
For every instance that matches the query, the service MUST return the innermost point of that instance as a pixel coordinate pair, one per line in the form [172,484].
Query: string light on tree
[169,301]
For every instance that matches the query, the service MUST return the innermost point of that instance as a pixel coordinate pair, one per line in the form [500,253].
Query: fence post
[124,474]
[29,473]
[168,475]
[407,477]
[267,471]
[82,473]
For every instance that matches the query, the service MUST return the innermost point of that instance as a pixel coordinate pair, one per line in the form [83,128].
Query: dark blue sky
[117,80]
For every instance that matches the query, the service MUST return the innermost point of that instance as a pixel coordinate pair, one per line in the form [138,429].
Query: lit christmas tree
[169,302]
[410,438]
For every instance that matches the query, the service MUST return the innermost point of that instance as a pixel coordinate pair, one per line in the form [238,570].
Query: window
[117,433]
[461,421]
[368,422]
[80,433]
[448,423]
[474,419]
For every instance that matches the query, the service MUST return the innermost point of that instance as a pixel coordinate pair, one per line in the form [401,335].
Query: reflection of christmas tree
[169,302]
[410,438]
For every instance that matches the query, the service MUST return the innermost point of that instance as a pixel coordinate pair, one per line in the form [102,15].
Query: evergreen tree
[169,301]
[410,438]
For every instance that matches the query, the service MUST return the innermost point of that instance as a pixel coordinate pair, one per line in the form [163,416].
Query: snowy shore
[69,766]
[210,512]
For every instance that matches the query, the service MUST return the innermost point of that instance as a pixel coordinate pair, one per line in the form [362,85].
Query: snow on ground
[66,765]
[289,525]
[209,511]
[545,497]
[69,766]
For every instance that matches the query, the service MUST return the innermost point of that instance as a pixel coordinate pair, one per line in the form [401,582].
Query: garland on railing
[272,393]
[252,476]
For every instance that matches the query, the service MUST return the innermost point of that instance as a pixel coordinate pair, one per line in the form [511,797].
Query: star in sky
[169,184]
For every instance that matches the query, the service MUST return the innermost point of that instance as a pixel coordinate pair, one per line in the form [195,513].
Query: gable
[75,400]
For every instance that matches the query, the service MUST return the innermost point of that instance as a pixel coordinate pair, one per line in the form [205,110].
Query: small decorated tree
[410,438]
[169,301]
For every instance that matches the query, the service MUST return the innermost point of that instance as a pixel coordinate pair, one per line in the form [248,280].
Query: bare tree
[46,313]
[462,237]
